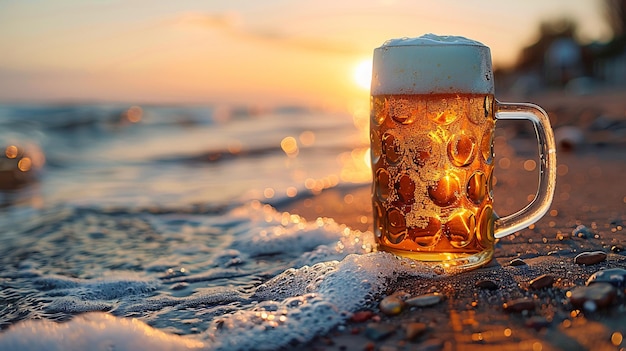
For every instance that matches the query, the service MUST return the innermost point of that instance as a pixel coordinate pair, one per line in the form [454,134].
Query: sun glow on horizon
[362,74]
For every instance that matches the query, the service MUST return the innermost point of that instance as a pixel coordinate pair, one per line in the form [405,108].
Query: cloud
[232,24]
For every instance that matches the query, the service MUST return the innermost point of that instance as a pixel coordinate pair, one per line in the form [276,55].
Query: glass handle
[547,167]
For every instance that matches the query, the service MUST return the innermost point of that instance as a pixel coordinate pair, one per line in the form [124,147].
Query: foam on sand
[432,64]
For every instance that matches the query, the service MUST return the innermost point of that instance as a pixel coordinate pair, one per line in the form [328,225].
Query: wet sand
[588,214]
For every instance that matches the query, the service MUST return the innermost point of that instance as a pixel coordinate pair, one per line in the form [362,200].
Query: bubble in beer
[477,187]
[461,149]
[460,227]
[376,146]
[446,191]
[428,234]
[382,182]
[397,226]
[391,148]
[484,233]
[420,157]
[405,188]
[486,148]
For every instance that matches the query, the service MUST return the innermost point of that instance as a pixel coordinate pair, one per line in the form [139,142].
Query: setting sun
[363,74]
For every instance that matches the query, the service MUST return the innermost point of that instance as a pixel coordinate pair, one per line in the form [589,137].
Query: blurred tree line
[558,59]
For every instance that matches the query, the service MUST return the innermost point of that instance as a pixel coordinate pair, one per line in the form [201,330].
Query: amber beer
[433,116]
[432,160]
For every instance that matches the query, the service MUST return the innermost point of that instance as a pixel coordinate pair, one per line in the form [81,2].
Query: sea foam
[332,273]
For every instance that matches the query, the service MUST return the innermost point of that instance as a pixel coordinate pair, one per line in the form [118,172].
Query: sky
[251,52]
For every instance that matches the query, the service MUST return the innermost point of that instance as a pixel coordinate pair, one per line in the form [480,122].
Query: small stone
[617,248]
[519,305]
[613,276]
[361,316]
[537,322]
[589,258]
[542,281]
[415,330]
[582,232]
[391,305]
[487,284]
[377,332]
[595,295]
[425,300]
[517,262]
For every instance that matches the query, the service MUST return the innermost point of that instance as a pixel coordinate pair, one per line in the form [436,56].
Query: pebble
[425,300]
[519,305]
[391,305]
[487,284]
[582,232]
[617,248]
[361,316]
[595,295]
[589,258]
[377,332]
[415,330]
[542,281]
[613,276]
[517,262]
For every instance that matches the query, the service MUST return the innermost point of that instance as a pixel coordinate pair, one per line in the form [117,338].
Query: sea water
[156,227]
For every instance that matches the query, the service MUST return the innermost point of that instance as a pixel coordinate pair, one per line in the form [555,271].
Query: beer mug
[433,115]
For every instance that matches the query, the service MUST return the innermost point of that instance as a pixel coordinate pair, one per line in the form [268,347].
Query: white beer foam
[432,64]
